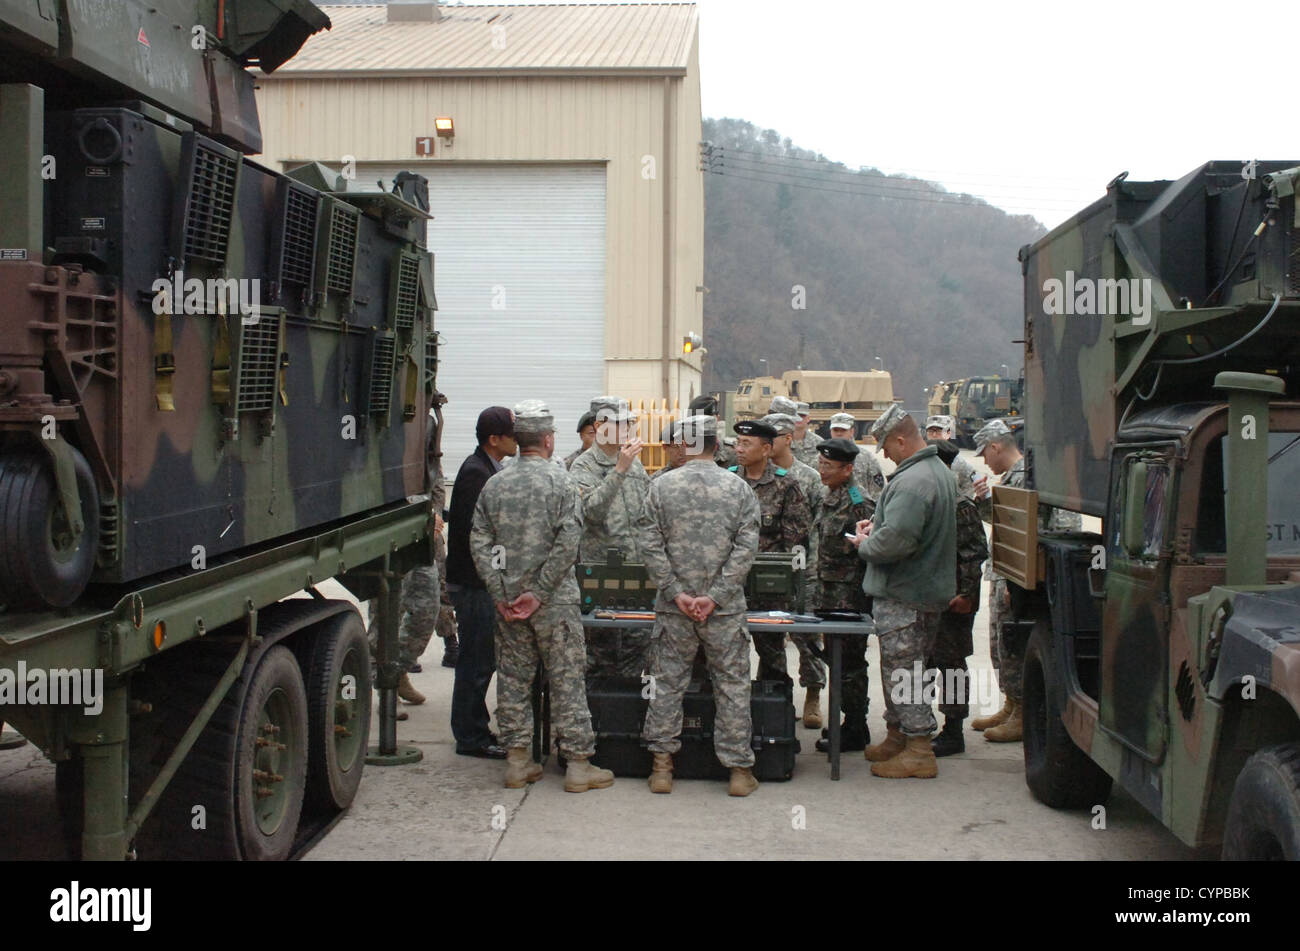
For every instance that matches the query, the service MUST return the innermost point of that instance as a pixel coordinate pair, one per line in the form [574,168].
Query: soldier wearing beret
[837,576]
[587,433]
[527,526]
[866,468]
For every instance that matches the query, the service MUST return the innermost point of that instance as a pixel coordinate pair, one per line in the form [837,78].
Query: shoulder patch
[855,494]
[782,472]
[879,479]
[733,468]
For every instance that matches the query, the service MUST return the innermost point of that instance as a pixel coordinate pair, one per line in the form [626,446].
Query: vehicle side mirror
[1135,500]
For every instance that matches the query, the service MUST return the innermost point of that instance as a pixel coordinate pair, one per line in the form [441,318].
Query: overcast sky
[1033,106]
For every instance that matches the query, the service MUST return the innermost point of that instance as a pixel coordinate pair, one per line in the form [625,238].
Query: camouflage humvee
[1162,357]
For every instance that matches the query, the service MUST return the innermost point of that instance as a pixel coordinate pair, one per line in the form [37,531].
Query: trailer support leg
[103,742]
[389,603]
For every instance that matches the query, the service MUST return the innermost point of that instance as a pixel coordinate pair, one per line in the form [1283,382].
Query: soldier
[446,624]
[910,547]
[527,525]
[700,536]
[997,445]
[866,468]
[726,452]
[812,670]
[613,485]
[942,428]
[786,522]
[805,440]
[837,576]
[955,641]
[674,451]
[587,433]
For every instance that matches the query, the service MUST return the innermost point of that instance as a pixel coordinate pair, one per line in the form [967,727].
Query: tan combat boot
[915,762]
[406,691]
[742,781]
[997,719]
[812,709]
[661,774]
[581,776]
[887,748]
[1011,730]
[520,768]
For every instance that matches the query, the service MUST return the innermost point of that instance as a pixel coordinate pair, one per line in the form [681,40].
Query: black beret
[754,427]
[587,419]
[703,404]
[839,449]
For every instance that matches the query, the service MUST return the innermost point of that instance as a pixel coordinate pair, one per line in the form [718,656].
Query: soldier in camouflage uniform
[812,669]
[957,623]
[910,547]
[613,485]
[866,468]
[700,535]
[786,522]
[524,542]
[942,428]
[587,433]
[997,445]
[725,454]
[674,450]
[805,440]
[837,577]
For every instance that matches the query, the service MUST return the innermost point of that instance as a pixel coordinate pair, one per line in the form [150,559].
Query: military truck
[974,401]
[215,388]
[865,394]
[1162,359]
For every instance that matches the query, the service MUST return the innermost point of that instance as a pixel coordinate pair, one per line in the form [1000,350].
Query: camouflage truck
[215,388]
[1162,358]
[865,394]
[973,401]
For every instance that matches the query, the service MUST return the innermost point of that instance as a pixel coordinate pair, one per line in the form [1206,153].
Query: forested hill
[892,267]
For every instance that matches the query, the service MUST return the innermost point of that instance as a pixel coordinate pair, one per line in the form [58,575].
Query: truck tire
[1264,813]
[41,560]
[1058,773]
[337,675]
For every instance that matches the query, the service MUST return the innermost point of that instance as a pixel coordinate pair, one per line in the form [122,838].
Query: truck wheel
[41,559]
[337,674]
[1264,812]
[1057,772]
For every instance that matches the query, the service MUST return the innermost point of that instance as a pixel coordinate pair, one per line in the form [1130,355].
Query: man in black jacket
[475,612]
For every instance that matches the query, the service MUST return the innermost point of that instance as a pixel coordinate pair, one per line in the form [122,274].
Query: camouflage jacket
[810,484]
[841,510]
[531,510]
[725,454]
[805,450]
[571,457]
[612,504]
[965,473]
[786,517]
[1050,518]
[867,473]
[699,536]
[972,549]
[659,472]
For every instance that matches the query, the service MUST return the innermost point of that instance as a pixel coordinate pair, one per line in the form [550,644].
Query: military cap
[754,427]
[704,404]
[612,408]
[887,422]
[991,430]
[692,429]
[671,433]
[587,419]
[783,404]
[937,422]
[533,416]
[803,409]
[842,421]
[782,423]
[839,449]
[947,451]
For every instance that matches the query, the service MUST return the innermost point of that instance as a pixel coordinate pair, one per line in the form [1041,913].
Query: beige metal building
[568,202]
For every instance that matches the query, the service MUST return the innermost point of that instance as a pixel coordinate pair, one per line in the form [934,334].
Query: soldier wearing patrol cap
[785,523]
[837,575]
[524,542]
[613,485]
[997,445]
[910,547]
[725,454]
[805,440]
[866,468]
[674,448]
[812,670]
[941,428]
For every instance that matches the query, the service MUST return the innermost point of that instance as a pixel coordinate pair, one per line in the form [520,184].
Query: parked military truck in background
[974,401]
[215,387]
[865,394]
[1162,360]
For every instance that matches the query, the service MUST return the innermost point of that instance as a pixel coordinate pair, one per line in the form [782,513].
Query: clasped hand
[697,609]
[521,608]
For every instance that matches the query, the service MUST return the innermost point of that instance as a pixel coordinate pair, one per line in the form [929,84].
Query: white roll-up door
[520,280]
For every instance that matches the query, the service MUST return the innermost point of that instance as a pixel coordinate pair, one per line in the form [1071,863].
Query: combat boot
[581,776]
[406,691]
[450,651]
[854,737]
[661,774]
[950,739]
[997,719]
[812,709]
[1011,730]
[915,762]
[887,748]
[742,781]
[520,768]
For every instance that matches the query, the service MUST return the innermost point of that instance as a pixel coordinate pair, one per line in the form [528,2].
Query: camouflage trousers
[997,608]
[770,647]
[446,626]
[726,649]
[553,635]
[419,611]
[954,643]
[907,637]
[831,596]
[618,653]
[1010,662]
